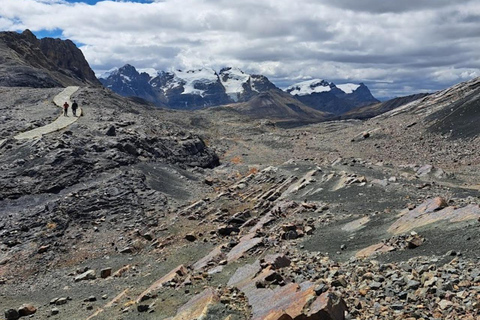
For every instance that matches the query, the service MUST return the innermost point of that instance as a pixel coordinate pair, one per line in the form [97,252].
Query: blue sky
[395,47]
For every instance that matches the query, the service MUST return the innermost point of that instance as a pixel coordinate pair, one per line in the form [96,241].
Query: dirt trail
[60,123]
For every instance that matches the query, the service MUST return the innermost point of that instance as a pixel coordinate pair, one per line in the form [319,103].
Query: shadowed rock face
[42,63]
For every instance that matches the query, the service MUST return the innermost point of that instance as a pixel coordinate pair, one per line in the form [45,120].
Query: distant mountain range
[26,61]
[195,89]
[328,97]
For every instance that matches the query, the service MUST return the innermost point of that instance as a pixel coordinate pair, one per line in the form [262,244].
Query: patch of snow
[127,78]
[233,82]
[150,71]
[348,87]
[308,87]
[191,77]
[107,74]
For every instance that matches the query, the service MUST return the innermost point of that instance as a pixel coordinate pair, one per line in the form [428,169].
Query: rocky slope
[274,106]
[376,109]
[26,61]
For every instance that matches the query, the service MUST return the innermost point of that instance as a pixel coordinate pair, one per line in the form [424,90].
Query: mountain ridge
[199,88]
[44,63]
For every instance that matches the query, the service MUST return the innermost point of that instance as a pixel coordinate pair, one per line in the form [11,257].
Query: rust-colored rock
[179,271]
[198,306]
[328,306]
[373,249]
[431,211]
[284,302]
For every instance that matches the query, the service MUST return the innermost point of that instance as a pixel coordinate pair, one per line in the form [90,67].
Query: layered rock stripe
[61,122]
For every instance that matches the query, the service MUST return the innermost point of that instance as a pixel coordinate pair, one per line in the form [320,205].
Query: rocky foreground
[139,213]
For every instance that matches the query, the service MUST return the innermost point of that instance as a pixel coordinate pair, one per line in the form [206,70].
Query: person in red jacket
[65,109]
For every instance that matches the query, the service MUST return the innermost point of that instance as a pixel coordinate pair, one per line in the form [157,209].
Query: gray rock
[412,285]
[87,275]
[375,285]
[111,131]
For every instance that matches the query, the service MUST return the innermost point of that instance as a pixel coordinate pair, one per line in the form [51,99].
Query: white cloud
[393,46]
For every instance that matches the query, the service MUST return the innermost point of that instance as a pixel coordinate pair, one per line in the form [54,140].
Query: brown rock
[105,273]
[179,271]
[431,211]
[328,306]
[277,261]
[26,310]
[198,306]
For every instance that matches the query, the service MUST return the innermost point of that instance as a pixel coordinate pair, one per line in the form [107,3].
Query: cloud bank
[395,47]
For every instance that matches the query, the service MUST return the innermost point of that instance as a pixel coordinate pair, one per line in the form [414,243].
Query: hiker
[74,108]
[65,109]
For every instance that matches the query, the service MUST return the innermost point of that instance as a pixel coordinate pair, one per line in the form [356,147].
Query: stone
[87,275]
[375,285]
[277,261]
[227,230]
[43,249]
[11,314]
[54,311]
[339,282]
[126,250]
[198,306]
[431,211]
[61,301]
[143,308]
[190,237]
[26,310]
[105,273]
[444,304]
[414,242]
[173,275]
[412,285]
[111,131]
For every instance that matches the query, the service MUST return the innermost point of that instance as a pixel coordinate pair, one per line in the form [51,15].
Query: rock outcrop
[26,61]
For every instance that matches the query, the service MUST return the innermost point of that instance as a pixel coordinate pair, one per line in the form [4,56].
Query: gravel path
[60,123]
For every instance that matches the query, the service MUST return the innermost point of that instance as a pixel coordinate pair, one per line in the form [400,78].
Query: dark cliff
[30,62]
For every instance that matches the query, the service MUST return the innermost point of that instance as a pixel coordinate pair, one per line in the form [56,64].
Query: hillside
[372,110]
[275,105]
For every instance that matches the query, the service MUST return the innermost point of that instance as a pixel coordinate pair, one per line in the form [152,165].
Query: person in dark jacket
[74,108]
[65,109]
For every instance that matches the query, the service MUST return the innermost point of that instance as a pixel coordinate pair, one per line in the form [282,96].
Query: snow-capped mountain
[191,89]
[205,87]
[329,97]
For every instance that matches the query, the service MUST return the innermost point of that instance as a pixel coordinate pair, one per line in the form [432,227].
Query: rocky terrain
[136,212]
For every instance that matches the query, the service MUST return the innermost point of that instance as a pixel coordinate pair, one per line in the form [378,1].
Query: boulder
[11,314]
[87,275]
[26,310]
